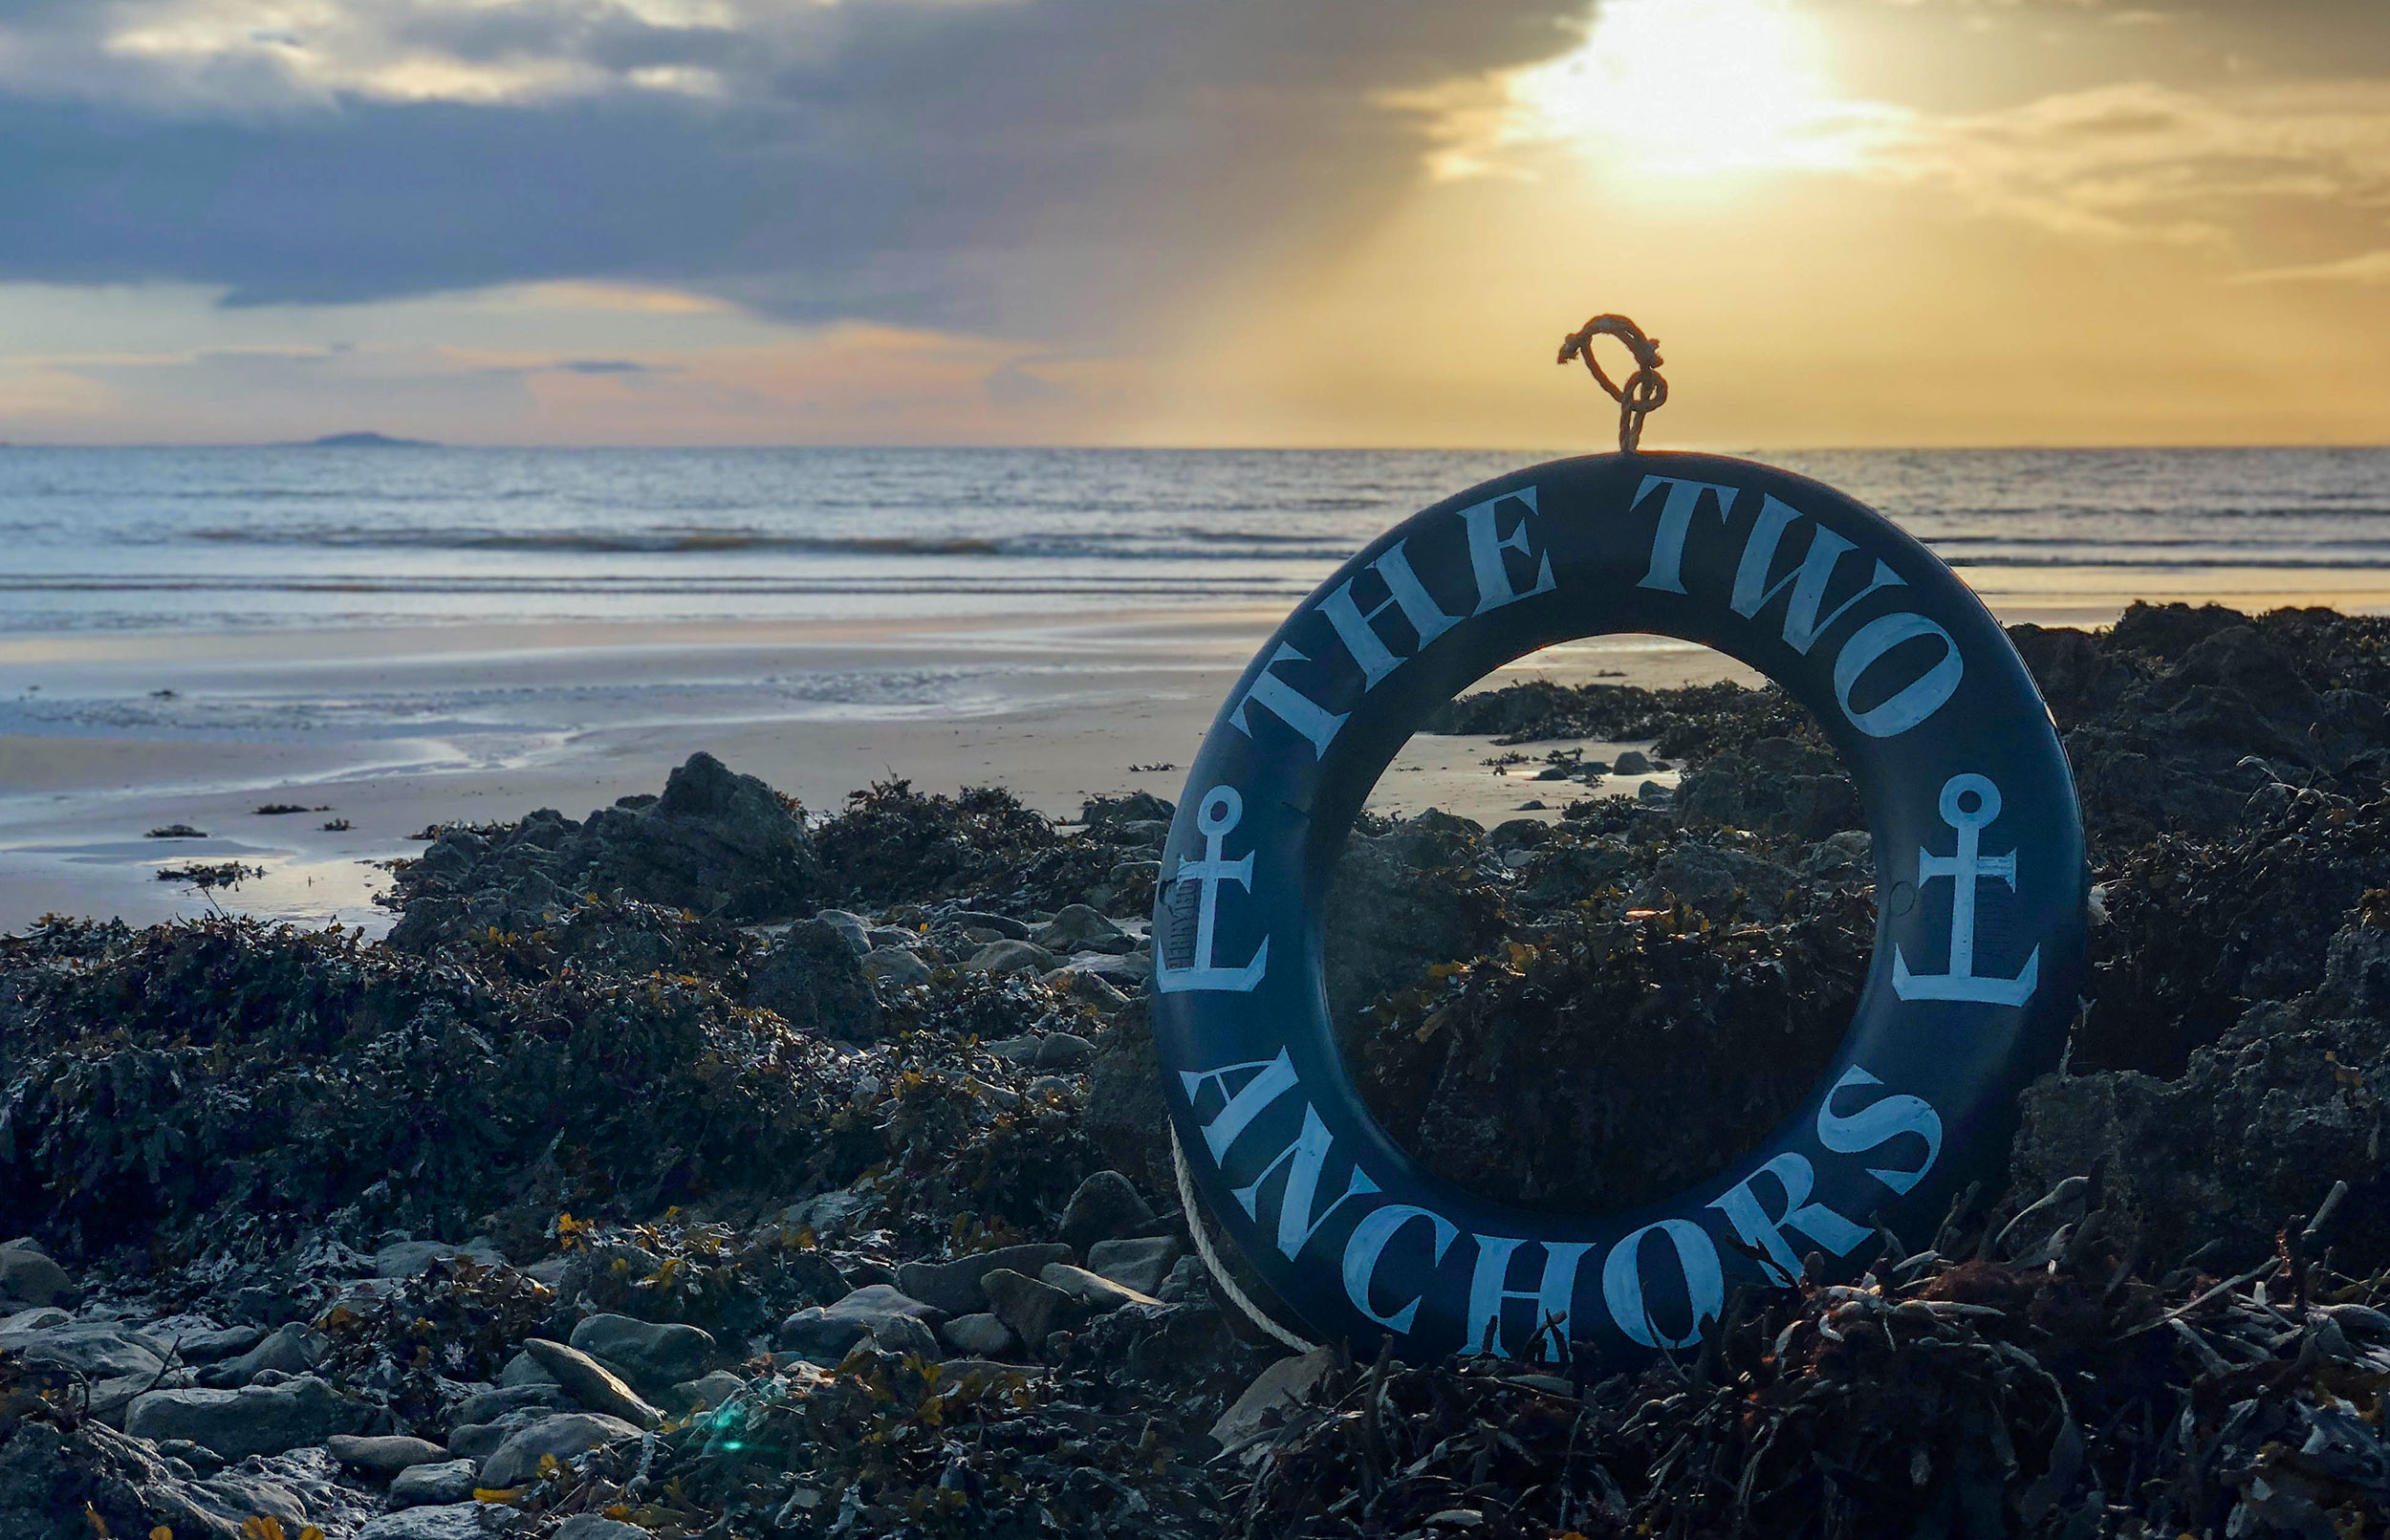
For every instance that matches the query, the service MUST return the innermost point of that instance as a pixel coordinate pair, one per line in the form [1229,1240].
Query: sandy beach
[102,739]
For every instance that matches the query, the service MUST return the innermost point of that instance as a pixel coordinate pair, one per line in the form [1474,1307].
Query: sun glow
[1677,87]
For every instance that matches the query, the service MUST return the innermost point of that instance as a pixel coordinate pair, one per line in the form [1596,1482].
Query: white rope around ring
[1211,1259]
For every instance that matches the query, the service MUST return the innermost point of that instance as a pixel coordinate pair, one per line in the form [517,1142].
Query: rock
[1653,794]
[814,977]
[384,1456]
[479,1441]
[825,1334]
[447,1481]
[42,1317]
[523,1370]
[1078,929]
[254,1421]
[211,1347]
[1010,957]
[1633,761]
[290,1350]
[1106,1204]
[1063,1050]
[705,1393]
[1139,1263]
[1720,882]
[565,1436]
[897,965]
[851,928]
[484,1405]
[1124,1116]
[451,1521]
[412,1259]
[29,1275]
[650,1353]
[980,1334]
[1773,785]
[99,1349]
[1033,1309]
[1094,1291]
[715,843]
[1090,986]
[598,1526]
[592,1384]
[1284,1384]
[954,1286]
[1003,925]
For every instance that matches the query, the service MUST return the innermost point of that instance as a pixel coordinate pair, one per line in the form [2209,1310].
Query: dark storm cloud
[1050,164]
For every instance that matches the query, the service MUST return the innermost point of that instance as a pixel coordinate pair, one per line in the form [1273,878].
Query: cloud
[2364,268]
[1063,169]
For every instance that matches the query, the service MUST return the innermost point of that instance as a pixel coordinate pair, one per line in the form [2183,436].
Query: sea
[115,540]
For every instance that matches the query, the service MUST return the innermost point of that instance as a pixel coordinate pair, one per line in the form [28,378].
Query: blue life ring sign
[1979,872]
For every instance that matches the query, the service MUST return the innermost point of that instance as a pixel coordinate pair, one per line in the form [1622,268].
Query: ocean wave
[648,542]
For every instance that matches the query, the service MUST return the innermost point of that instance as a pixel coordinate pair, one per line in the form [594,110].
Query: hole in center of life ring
[1602,926]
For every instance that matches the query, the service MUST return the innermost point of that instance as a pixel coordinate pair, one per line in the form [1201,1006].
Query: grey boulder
[411,1259]
[980,1335]
[28,1274]
[592,1384]
[567,1435]
[953,1287]
[1106,1204]
[385,1456]
[257,1419]
[895,964]
[1031,1306]
[895,1320]
[445,1481]
[1010,957]
[1140,1264]
[292,1350]
[705,1391]
[654,1355]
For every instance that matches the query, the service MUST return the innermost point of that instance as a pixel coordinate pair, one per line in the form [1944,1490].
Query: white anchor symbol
[1964,868]
[1219,813]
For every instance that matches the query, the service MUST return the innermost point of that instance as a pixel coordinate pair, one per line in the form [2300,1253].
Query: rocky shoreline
[708,1167]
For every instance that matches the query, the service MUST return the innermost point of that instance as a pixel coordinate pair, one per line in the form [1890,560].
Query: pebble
[446,1481]
[705,1393]
[564,1435]
[1031,1306]
[895,964]
[484,1405]
[523,1370]
[1002,926]
[479,1441]
[592,1384]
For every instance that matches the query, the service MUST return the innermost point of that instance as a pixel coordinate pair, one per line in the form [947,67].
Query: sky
[1193,221]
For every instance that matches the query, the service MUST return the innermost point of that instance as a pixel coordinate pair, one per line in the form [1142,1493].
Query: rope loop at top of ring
[1644,393]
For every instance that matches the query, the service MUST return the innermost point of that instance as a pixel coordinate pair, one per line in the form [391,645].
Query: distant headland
[361,441]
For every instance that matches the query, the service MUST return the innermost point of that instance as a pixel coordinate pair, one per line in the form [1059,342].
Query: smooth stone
[823,1211]
[981,1334]
[1091,1290]
[706,1392]
[292,1350]
[1653,794]
[1633,761]
[1088,986]
[1077,927]
[523,1370]
[1105,1205]
[1283,1384]
[101,1349]
[446,1481]
[384,1456]
[598,1526]
[592,1384]
[851,928]
[479,1441]
[257,1419]
[1140,1262]
[410,1259]
[953,1287]
[980,920]
[42,1317]
[1033,1309]
[214,1346]
[31,1276]
[1183,1276]
[484,1405]
[565,1435]
[453,1521]
[896,1320]
[1010,957]
[654,1354]
[895,964]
